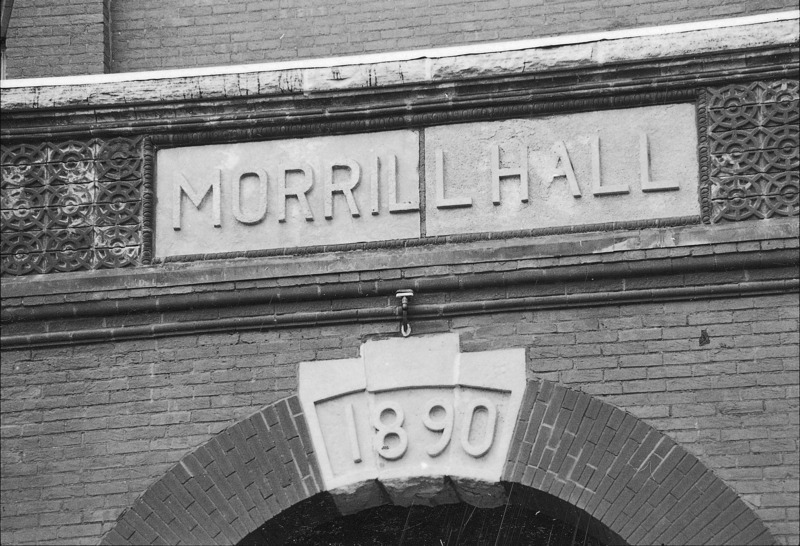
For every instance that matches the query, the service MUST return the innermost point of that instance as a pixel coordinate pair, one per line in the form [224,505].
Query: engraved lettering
[374,188]
[345,188]
[394,206]
[644,166]
[441,201]
[261,207]
[481,448]
[392,412]
[355,450]
[444,423]
[597,187]
[196,197]
[498,173]
[563,167]
[299,193]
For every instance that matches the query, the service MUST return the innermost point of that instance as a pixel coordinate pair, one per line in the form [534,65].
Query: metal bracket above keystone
[404,296]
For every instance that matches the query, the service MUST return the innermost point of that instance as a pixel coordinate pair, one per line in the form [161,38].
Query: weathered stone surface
[688,41]
[481,494]
[301,192]
[511,62]
[350,76]
[354,497]
[411,67]
[566,156]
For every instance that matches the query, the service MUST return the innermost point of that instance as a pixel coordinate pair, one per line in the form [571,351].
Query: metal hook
[405,296]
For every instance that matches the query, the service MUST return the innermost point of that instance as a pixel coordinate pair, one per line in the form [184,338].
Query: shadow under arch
[301,523]
[568,450]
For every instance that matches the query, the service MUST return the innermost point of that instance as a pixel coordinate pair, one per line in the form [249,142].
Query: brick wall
[87,429]
[47,38]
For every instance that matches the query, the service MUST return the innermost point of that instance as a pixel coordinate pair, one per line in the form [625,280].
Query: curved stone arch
[567,446]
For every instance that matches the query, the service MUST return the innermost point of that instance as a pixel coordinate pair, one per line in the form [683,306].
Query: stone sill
[426,67]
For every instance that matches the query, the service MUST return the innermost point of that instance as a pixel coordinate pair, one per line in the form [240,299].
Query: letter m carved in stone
[196,197]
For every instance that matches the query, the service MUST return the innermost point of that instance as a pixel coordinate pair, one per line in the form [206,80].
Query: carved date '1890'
[390,439]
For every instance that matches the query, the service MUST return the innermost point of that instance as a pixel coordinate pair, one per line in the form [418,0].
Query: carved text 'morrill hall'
[345,177]
[588,168]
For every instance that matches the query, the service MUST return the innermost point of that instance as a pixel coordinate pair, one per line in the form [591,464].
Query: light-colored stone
[427,412]
[354,76]
[511,62]
[688,42]
[420,491]
[337,160]
[395,364]
[562,173]
[404,67]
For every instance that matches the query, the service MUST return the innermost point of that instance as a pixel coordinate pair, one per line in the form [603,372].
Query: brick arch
[627,475]
[226,488]
[570,452]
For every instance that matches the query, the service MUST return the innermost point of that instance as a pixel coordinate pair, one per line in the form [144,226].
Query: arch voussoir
[229,486]
[630,477]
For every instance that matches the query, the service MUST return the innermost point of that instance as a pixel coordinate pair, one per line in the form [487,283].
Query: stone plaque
[411,411]
[561,170]
[287,193]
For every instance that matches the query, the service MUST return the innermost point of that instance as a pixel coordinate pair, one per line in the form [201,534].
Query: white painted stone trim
[421,66]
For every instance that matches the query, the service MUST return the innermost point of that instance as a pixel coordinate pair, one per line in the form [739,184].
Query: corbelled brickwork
[87,429]
[151,35]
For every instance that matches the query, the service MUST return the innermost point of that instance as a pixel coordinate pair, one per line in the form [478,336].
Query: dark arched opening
[527,517]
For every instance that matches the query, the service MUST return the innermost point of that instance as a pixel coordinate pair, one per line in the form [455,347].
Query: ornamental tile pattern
[753,150]
[71,206]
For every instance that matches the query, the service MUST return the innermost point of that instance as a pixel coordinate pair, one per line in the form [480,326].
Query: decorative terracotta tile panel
[71,206]
[753,145]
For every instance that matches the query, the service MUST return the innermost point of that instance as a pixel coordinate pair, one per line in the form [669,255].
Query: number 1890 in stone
[391,439]
[433,429]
